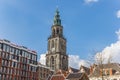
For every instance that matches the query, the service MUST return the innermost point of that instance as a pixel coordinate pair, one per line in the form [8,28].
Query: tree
[98,59]
[91,58]
[110,59]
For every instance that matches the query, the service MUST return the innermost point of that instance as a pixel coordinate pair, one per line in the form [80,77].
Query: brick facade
[18,62]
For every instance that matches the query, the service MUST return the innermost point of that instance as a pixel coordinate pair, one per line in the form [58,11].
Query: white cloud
[118,14]
[42,59]
[118,34]
[74,61]
[90,1]
[113,50]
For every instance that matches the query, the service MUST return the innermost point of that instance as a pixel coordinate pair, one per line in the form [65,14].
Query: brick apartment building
[17,62]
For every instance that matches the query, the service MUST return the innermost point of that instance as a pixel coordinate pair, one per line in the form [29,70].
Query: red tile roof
[58,77]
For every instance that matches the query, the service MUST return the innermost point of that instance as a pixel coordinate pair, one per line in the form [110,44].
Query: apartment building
[17,62]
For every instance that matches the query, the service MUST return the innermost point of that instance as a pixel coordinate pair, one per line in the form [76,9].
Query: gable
[57,77]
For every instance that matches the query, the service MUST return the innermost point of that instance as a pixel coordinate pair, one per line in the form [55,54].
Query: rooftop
[74,75]
[5,41]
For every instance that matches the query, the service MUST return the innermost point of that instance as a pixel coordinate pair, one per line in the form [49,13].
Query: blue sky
[88,24]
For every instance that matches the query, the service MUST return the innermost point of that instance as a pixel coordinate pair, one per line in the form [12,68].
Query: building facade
[59,75]
[57,58]
[44,72]
[18,62]
[84,69]
[110,71]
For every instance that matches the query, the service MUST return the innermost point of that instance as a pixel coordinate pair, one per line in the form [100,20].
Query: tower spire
[57,58]
[57,20]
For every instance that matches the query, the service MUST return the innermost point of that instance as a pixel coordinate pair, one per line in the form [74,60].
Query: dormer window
[53,31]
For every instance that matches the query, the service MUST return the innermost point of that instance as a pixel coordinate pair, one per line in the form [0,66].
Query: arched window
[47,59]
[57,31]
[52,60]
[53,31]
[52,43]
[64,58]
[48,45]
[56,43]
[61,31]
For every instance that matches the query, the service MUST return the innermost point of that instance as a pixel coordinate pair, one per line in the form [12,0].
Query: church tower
[56,58]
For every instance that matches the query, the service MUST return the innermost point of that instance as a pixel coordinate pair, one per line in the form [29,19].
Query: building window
[26,54]
[23,53]
[16,52]
[4,47]
[52,60]
[55,43]
[61,31]
[48,45]
[13,56]
[52,63]
[7,48]
[31,56]
[52,44]
[13,50]
[53,32]
[57,31]
[35,57]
